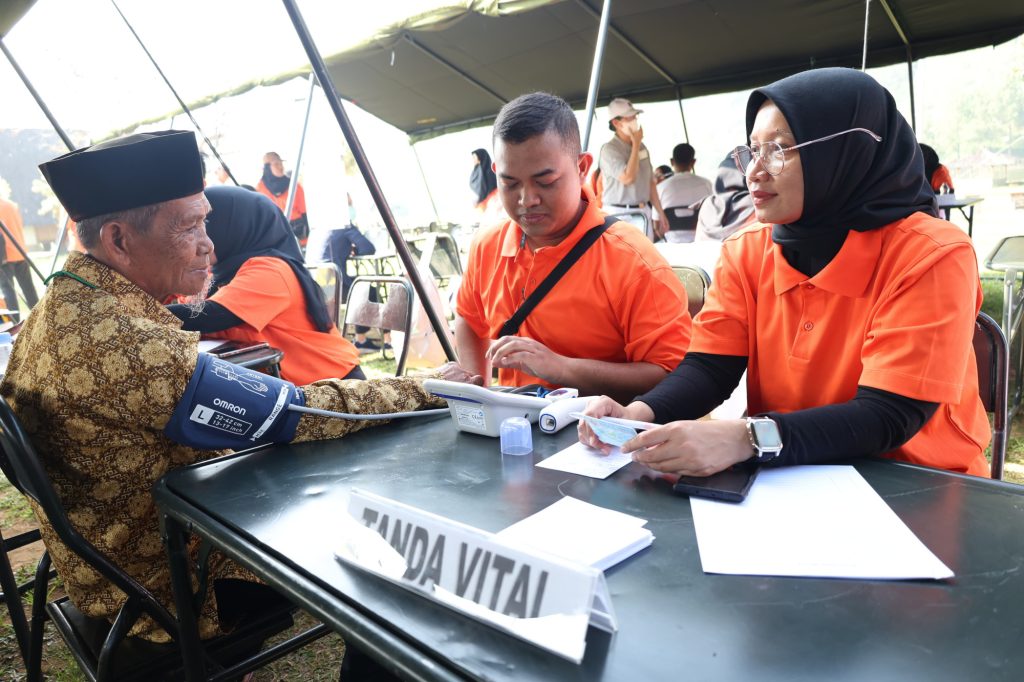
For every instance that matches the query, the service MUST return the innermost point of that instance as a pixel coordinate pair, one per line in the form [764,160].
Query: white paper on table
[822,520]
[580,531]
[586,461]
[207,345]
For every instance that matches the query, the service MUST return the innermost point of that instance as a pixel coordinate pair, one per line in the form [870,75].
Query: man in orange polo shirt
[852,309]
[615,323]
[15,266]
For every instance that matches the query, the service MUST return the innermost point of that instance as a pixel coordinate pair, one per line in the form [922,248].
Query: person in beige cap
[626,168]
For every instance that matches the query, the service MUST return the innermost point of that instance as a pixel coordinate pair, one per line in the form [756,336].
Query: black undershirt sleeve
[872,423]
[213,318]
[700,383]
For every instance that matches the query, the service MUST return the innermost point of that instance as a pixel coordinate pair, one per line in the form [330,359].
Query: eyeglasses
[772,155]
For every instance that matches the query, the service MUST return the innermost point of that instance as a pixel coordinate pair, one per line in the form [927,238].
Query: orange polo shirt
[11,217]
[894,310]
[265,293]
[620,302]
[941,177]
[298,206]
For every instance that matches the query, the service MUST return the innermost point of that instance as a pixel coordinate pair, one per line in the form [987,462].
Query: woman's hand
[692,448]
[606,407]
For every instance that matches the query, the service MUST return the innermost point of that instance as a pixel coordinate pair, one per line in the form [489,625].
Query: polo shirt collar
[848,274]
[592,217]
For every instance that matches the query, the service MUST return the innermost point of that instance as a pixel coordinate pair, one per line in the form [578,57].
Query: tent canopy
[455,71]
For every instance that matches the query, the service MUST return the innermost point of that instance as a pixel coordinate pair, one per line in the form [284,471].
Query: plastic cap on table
[516,436]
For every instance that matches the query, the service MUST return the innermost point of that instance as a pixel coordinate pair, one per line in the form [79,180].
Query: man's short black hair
[534,114]
[683,154]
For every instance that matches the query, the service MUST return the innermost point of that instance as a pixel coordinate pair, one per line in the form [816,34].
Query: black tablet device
[730,485]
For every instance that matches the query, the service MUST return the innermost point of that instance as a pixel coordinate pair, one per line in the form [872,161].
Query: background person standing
[274,185]
[15,266]
[626,169]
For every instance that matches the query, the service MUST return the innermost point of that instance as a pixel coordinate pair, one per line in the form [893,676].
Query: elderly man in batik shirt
[101,364]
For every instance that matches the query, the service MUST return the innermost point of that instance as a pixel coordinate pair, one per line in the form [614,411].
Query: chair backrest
[696,282]
[681,218]
[386,303]
[328,276]
[992,353]
[637,218]
[23,468]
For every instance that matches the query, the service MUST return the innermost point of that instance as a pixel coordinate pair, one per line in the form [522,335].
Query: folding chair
[696,282]
[682,224]
[328,276]
[102,650]
[29,636]
[992,353]
[384,303]
[637,218]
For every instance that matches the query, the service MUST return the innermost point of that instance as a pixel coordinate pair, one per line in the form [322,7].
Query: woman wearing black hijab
[482,181]
[852,308]
[262,291]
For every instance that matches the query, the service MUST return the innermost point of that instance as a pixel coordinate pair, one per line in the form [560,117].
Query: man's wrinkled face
[539,181]
[173,256]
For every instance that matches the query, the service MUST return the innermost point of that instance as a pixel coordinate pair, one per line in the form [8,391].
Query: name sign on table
[537,597]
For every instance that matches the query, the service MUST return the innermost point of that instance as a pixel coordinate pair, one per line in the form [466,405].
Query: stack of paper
[822,520]
[580,532]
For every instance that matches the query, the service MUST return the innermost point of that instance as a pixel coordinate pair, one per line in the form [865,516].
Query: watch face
[767,434]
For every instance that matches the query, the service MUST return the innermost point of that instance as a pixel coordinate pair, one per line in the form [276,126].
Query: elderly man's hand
[453,371]
[529,356]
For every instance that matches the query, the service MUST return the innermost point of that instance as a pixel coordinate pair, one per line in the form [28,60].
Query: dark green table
[273,510]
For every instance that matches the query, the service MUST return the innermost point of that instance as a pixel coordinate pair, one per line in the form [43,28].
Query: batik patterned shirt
[94,377]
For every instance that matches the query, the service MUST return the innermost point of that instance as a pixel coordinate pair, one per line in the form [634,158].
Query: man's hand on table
[453,371]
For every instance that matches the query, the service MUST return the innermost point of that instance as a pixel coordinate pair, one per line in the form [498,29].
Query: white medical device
[476,409]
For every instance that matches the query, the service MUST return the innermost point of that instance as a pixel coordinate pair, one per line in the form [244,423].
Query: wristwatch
[764,438]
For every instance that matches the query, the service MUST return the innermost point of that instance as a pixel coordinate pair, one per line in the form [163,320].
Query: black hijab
[730,206]
[850,182]
[276,185]
[482,181]
[245,224]
[931,161]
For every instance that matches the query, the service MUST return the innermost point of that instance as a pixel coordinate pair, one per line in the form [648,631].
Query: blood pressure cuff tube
[227,406]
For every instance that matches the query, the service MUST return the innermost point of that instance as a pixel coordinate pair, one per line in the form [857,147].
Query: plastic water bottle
[5,350]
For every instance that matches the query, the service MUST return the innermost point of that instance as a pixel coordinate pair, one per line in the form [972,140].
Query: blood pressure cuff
[228,406]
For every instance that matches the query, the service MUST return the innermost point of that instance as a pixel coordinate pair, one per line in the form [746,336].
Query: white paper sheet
[207,345]
[585,461]
[582,532]
[820,520]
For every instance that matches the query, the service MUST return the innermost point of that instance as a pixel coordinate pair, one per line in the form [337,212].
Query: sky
[95,78]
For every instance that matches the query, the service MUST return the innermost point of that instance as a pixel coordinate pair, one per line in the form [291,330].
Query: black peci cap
[127,172]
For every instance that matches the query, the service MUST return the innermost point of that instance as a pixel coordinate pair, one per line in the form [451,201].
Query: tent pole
[910,80]
[682,114]
[60,133]
[181,103]
[316,61]
[293,182]
[39,100]
[426,184]
[595,71]
[21,250]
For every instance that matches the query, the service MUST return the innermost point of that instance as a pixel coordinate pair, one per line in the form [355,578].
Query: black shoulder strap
[511,325]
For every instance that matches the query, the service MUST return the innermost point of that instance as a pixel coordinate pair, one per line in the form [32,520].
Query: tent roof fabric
[10,12]
[702,47]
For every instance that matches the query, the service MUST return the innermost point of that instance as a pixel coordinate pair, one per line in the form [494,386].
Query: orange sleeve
[259,291]
[942,177]
[654,317]
[468,302]
[299,206]
[918,341]
[723,325]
